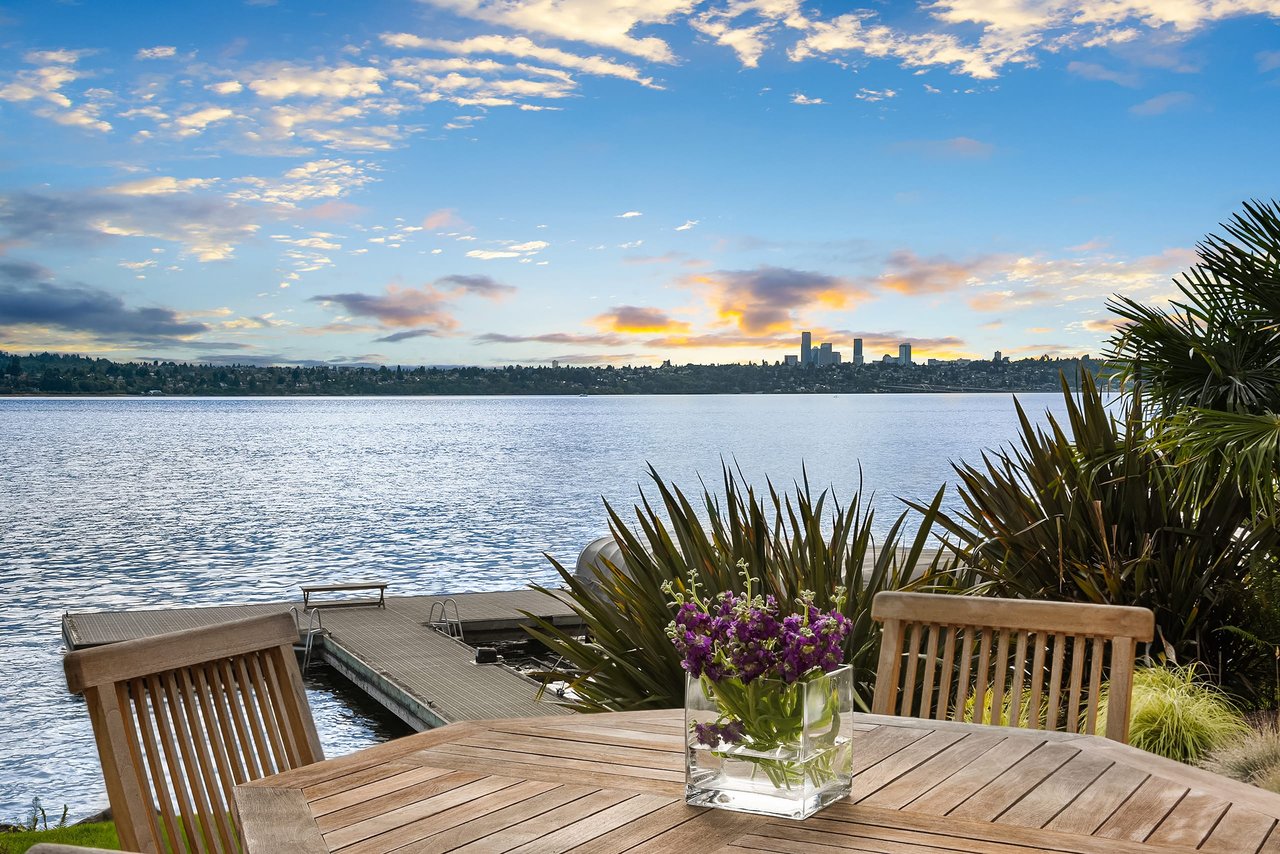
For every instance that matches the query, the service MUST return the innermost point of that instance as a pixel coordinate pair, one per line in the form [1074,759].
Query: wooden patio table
[615,782]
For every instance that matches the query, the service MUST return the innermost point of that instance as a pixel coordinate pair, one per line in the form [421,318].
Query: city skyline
[607,182]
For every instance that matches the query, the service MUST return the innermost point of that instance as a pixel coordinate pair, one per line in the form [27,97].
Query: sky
[492,182]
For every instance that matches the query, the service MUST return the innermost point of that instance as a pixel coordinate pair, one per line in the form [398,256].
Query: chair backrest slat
[181,719]
[1011,648]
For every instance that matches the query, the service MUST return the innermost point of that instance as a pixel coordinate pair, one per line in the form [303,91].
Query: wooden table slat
[614,784]
[1241,829]
[1143,811]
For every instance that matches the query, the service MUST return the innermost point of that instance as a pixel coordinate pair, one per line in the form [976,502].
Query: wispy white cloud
[158,52]
[523,47]
[801,98]
[629,215]
[607,23]
[688,224]
[161,185]
[1160,104]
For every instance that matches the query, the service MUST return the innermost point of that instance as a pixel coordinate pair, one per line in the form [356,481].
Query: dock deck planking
[423,676]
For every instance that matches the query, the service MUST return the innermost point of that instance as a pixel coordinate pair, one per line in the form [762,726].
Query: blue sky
[614,181]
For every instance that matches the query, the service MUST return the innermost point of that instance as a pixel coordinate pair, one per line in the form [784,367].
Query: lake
[171,502]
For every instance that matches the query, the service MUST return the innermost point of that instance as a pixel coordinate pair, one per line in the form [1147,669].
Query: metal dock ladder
[314,627]
[438,618]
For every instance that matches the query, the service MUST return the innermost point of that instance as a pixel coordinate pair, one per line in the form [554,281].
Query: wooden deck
[421,675]
[615,782]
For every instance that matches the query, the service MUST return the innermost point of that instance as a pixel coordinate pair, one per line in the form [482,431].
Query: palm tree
[1209,364]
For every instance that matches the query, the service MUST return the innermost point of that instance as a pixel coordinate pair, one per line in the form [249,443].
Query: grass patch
[100,835]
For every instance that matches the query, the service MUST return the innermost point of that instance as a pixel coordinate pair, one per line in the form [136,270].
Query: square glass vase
[769,747]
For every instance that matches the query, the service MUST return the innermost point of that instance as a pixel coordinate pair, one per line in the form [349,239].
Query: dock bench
[380,586]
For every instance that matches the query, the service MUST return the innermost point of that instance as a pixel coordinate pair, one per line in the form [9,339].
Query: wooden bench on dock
[380,586]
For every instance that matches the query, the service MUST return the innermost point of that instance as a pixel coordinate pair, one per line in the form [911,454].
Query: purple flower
[713,735]
[746,637]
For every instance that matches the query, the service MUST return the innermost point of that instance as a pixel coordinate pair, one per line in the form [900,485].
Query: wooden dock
[422,675]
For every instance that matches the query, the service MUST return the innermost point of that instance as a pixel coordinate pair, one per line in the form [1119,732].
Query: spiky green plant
[1177,715]
[1088,511]
[794,542]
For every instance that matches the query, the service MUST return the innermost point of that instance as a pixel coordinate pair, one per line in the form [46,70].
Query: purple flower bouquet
[768,702]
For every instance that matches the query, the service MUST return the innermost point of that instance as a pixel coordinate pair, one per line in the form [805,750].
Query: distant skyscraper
[806,348]
[790,360]
[904,354]
[857,351]
[824,354]
[997,357]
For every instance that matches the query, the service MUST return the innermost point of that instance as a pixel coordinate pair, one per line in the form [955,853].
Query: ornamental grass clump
[1175,714]
[1254,758]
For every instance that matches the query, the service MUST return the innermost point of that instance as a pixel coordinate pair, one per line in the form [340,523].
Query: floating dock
[424,675]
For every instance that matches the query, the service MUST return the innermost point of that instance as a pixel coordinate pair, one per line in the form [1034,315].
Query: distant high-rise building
[904,354]
[555,363]
[997,357]
[824,354]
[806,348]
[857,351]
[835,357]
[791,360]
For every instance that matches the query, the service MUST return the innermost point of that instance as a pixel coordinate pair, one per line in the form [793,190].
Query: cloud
[873,95]
[688,224]
[159,52]
[194,123]
[161,185]
[311,181]
[907,273]
[350,81]
[1268,60]
[628,215]
[632,320]
[803,99]
[522,47]
[417,312]
[602,339]
[491,254]
[226,87]
[1161,104]
[608,23]
[484,286]
[1093,71]
[1101,324]
[208,226]
[29,296]
[530,246]
[771,299]
[956,146]
[43,86]
[443,218]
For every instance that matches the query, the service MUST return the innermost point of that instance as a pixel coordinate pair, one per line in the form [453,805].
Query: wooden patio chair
[947,642]
[181,718]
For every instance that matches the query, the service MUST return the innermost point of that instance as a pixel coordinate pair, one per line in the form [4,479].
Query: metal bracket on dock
[314,627]
[446,625]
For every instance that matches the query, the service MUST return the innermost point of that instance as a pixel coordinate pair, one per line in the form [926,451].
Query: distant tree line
[53,373]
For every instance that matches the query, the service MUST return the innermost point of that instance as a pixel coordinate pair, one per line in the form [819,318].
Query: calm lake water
[127,503]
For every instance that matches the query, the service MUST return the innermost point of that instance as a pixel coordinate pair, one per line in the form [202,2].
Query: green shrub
[1254,758]
[792,543]
[1175,714]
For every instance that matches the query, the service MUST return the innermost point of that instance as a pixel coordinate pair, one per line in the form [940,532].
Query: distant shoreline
[57,375]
